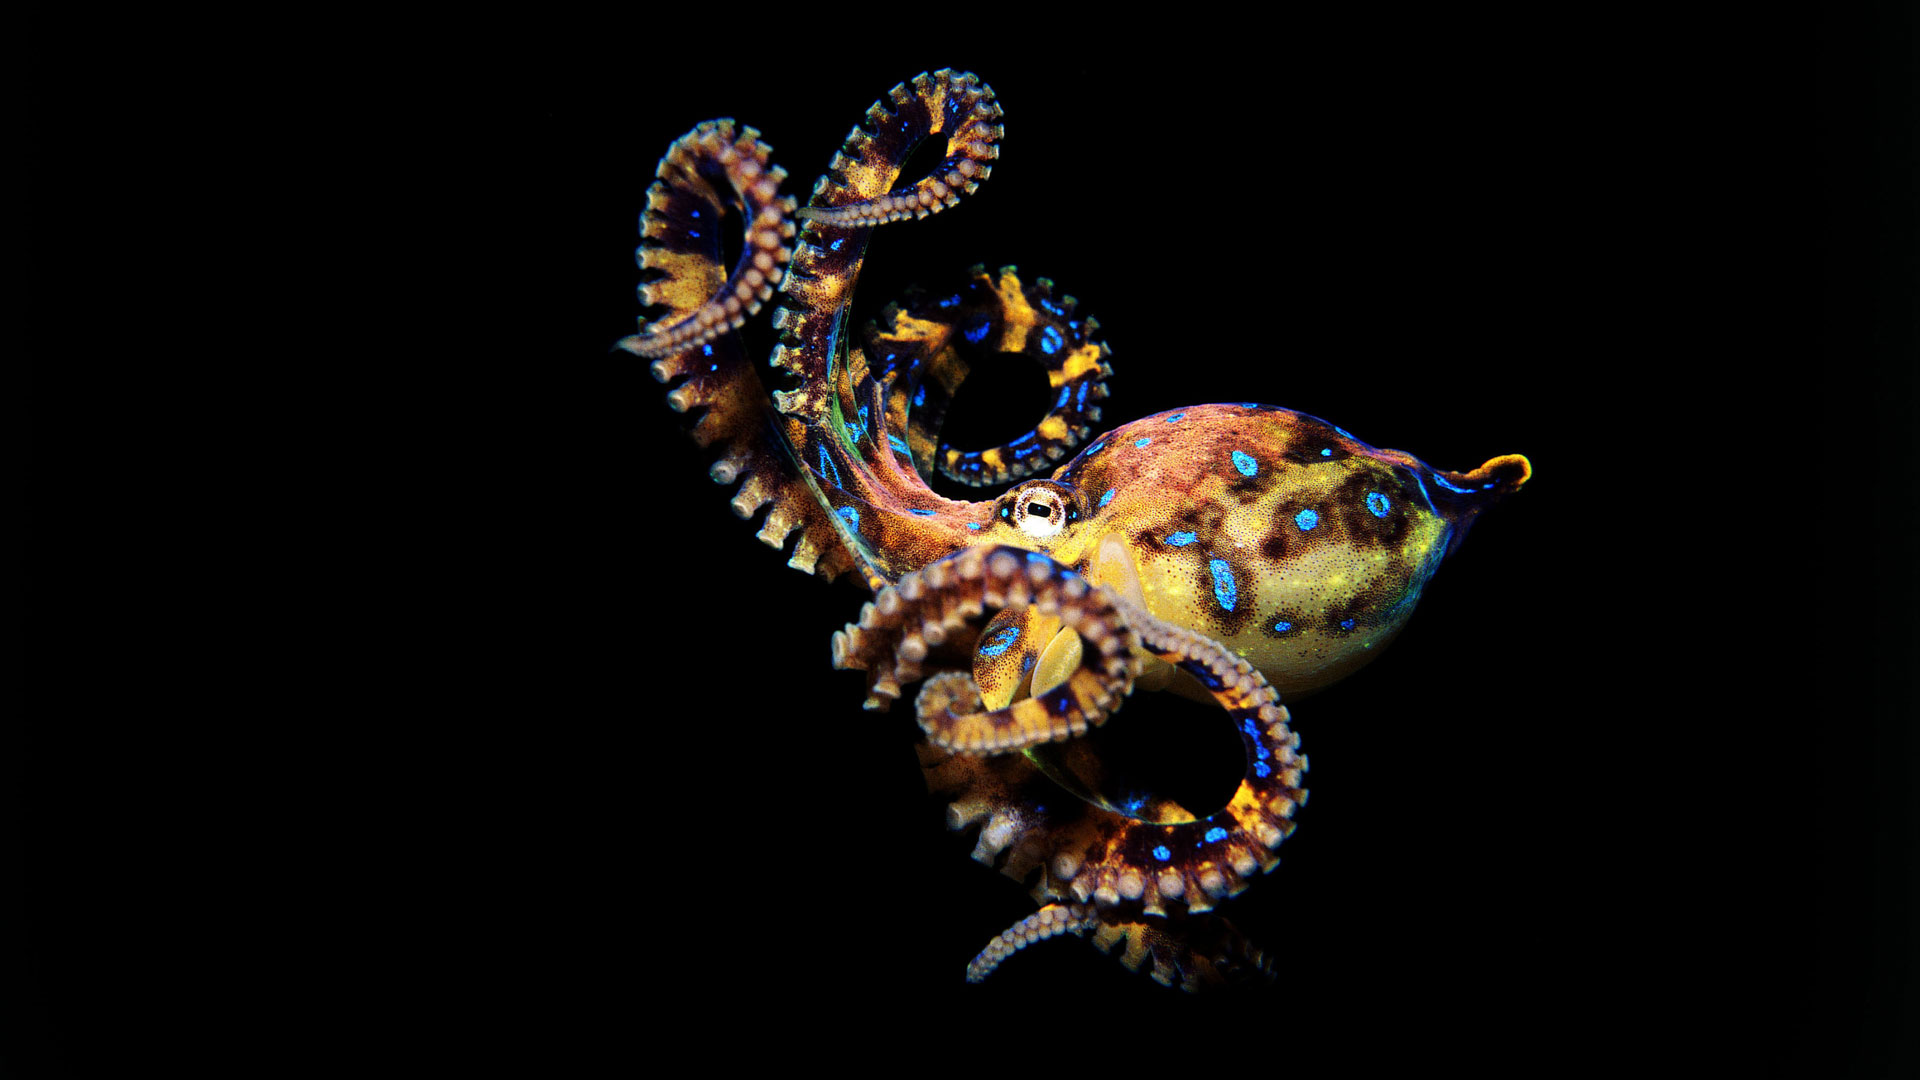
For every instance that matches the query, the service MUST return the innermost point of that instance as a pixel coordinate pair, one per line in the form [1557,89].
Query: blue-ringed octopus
[1238,553]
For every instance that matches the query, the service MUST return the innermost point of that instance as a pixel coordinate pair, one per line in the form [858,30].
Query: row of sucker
[918,349]
[855,194]
[970,150]
[688,172]
[1050,921]
[926,608]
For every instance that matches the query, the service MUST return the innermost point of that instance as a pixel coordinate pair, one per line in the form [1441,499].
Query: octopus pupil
[1037,510]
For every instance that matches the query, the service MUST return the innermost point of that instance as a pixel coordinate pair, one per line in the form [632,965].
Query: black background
[398,678]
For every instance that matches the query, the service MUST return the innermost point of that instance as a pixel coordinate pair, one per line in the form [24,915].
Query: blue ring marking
[1096,447]
[1176,417]
[1344,432]
[1262,769]
[1080,400]
[1282,626]
[951,301]
[1065,393]
[1245,463]
[1162,853]
[917,512]
[1107,498]
[1001,641]
[1306,519]
[972,526]
[1377,503]
[978,331]
[1143,441]
[1442,481]
[899,444]
[1053,308]
[1180,539]
[920,396]
[852,515]
[1216,834]
[1224,588]
[1051,340]
[827,467]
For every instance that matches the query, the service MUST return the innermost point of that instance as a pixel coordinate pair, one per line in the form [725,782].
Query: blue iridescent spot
[1247,726]
[1346,624]
[951,301]
[1224,589]
[1377,503]
[1162,853]
[1261,768]
[972,526]
[1328,452]
[695,233]
[1260,751]
[1143,441]
[1050,340]
[852,515]
[1216,834]
[836,244]
[1180,539]
[707,349]
[1176,417]
[1107,498]
[917,512]
[1282,626]
[1306,519]
[978,331]
[1245,463]
[1000,642]
[920,396]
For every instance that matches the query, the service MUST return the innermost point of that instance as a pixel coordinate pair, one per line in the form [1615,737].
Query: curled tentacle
[680,238]
[972,146]
[1148,864]
[1050,921]
[932,609]
[853,196]
[916,350]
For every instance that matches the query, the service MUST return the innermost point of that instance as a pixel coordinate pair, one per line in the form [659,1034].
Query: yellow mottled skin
[1291,543]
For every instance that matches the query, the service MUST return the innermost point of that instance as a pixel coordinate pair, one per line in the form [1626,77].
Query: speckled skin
[1237,549]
